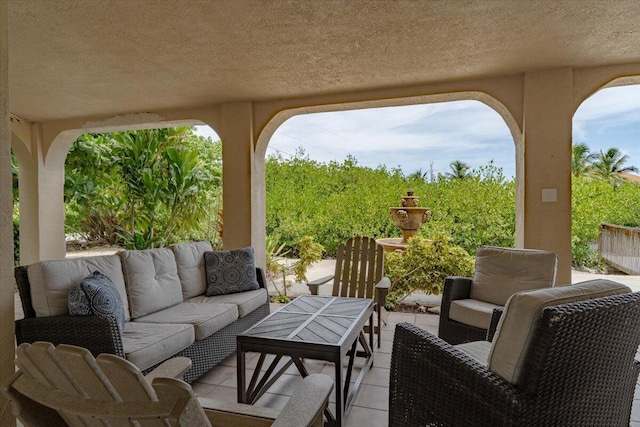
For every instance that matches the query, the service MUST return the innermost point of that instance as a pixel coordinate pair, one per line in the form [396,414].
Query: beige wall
[537,107]
[6,234]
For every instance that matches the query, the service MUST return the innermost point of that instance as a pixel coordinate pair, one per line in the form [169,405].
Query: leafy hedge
[596,201]
[334,201]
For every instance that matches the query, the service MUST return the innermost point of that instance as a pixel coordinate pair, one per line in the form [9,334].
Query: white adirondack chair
[67,386]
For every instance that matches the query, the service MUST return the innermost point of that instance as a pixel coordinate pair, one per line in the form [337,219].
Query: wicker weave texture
[580,371]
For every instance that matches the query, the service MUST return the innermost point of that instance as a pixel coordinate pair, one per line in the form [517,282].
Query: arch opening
[487,105]
[605,178]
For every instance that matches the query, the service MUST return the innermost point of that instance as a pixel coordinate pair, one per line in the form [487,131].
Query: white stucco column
[548,114]
[41,187]
[243,226]
[7,333]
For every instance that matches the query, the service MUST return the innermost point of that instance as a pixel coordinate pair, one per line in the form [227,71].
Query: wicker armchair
[577,368]
[468,303]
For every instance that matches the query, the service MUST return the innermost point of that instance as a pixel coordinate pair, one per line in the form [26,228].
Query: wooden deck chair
[66,386]
[359,273]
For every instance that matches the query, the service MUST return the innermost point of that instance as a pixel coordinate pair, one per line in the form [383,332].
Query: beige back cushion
[50,281]
[501,272]
[151,279]
[190,263]
[521,314]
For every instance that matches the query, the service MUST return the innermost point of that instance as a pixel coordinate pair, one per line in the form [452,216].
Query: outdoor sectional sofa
[167,313]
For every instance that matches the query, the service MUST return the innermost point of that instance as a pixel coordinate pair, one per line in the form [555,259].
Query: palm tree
[610,165]
[418,175]
[459,170]
[581,159]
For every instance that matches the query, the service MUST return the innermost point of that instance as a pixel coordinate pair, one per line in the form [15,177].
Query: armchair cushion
[501,272]
[521,314]
[472,312]
[478,350]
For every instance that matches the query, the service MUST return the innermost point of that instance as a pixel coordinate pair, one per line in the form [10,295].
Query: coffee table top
[314,319]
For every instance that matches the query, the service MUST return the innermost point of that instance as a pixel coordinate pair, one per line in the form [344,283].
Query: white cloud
[409,136]
[607,108]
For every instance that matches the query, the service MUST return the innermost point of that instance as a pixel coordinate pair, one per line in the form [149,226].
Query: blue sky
[414,137]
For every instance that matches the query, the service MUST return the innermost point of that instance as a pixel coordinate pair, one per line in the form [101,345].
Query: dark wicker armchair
[577,369]
[468,303]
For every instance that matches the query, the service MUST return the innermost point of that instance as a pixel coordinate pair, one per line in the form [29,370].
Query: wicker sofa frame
[101,335]
[580,370]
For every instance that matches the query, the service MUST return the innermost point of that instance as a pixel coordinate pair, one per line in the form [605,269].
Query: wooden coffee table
[309,327]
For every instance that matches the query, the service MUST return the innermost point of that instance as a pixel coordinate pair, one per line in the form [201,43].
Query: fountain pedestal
[409,218]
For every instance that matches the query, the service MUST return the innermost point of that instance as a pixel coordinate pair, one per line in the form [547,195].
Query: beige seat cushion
[147,344]
[190,264]
[152,281]
[501,272]
[522,312]
[51,281]
[247,301]
[206,319]
[472,312]
[477,350]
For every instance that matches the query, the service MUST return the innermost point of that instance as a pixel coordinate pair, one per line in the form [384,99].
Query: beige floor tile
[427,319]
[374,397]
[401,317]
[218,374]
[361,417]
[377,376]
[221,393]
[382,360]
[385,347]
[286,384]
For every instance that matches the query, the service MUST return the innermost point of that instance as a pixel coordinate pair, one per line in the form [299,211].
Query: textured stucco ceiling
[72,58]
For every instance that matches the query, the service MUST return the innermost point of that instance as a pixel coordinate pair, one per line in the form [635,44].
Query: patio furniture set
[512,348]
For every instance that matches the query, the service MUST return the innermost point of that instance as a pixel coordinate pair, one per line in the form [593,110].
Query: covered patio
[244,67]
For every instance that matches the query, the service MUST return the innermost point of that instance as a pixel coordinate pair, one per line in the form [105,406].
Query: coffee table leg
[242,379]
[339,392]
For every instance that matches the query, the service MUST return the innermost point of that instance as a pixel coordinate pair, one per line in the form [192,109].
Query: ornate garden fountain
[408,218]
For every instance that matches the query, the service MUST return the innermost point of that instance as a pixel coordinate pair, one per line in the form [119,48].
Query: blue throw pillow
[229,272]
[96,295]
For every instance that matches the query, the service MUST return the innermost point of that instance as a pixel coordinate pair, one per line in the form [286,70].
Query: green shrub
[335,201]
[595,201]
[424,266]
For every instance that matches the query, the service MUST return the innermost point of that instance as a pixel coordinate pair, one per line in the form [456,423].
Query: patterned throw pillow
[229,272]
[96,295]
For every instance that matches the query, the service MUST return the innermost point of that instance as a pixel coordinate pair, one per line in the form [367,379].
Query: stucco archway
[509,119]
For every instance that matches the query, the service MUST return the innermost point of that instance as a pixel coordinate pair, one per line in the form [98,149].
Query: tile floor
[370,407]
[372,404]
